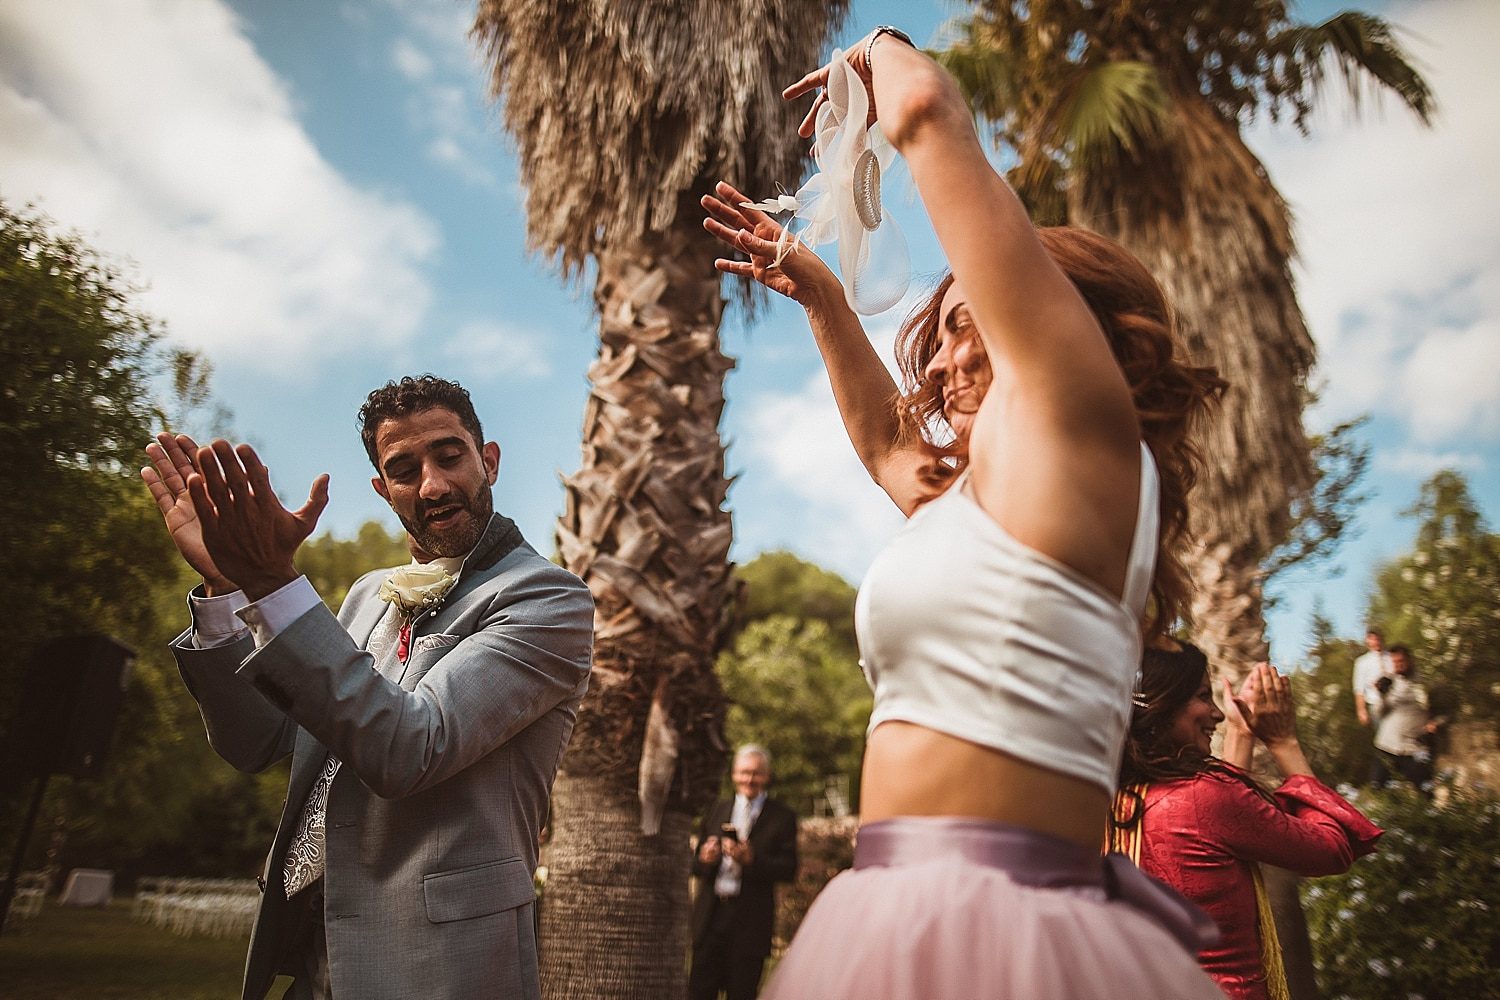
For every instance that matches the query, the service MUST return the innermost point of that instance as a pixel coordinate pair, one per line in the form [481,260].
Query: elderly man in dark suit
[746,845]
[425,722]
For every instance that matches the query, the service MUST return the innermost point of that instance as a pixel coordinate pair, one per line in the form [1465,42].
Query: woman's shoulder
[1211,784]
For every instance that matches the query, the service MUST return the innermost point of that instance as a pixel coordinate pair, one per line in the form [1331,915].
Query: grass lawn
[78,954]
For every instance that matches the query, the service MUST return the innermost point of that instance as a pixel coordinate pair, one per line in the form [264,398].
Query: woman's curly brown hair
[1171,396]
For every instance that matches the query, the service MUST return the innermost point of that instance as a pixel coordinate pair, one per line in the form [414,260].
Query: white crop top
[964,630]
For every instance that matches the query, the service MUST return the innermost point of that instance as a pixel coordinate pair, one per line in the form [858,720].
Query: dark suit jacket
[432,821]
[773,843]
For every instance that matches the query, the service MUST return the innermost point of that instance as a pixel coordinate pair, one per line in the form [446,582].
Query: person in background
[1368,668]
[747,844]
[1203,825]
[1407,731]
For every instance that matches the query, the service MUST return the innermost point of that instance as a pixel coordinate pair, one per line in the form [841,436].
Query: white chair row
[214,907]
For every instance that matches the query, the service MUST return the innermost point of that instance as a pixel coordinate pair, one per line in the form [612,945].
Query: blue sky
[319,197]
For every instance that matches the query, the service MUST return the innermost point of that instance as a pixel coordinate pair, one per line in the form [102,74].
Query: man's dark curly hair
[415,395]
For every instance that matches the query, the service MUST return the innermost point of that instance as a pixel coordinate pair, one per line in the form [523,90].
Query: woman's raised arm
[862,387]
[1054,447]
[1025,308]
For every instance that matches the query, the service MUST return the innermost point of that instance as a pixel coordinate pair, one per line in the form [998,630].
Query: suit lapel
[500,538]
[308,756]
[366,617]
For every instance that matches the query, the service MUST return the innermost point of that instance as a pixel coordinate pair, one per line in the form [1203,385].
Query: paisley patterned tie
[304,861]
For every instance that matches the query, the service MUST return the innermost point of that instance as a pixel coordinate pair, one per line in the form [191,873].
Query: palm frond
[623,113]
[1115,107]
[1040,181]
[1363,48]
[986,73]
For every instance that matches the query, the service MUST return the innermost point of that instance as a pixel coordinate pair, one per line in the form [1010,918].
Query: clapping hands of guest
[1263,710]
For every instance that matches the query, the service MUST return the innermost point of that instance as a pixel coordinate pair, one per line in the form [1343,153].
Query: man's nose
[434,483]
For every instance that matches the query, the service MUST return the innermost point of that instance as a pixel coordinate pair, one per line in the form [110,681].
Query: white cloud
[1418,464]
[410,61]
[447,113]
[448,103]
[155,127]
[446,151]
[1400,271]
[1451,383]
[444,27]
[827,508]
[841,519]
[491,350]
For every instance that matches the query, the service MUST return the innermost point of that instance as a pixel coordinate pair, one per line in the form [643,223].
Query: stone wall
[1471,753]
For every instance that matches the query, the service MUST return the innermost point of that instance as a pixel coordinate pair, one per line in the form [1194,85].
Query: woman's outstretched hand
[1238,708]
[801,276]
[1275,719]
[818,80]
[1263,708]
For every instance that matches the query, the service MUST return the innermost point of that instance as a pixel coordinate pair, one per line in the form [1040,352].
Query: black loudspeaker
[69,706]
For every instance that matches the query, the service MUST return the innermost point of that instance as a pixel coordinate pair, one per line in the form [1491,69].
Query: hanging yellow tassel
[1127,839]
[1270,943]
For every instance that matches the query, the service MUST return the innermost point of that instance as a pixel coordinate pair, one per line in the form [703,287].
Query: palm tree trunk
[646,528]
[614,913]
[1228,609]
[1218,236]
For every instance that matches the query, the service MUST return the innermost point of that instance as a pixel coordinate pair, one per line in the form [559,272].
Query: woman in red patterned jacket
[1202,825]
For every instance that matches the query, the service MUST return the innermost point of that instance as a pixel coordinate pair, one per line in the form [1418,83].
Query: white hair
[757,750]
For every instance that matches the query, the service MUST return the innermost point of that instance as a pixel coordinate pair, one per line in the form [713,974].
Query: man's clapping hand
[173,460]
[224,516]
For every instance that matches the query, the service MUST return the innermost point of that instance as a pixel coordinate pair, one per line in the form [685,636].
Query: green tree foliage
[792,676]
[1322,515]
[1417,917]
[1443,599]
[1076,88]
[82,380]
[85,379]
[778,583]
[1337,746]
[797,692]
[332,564]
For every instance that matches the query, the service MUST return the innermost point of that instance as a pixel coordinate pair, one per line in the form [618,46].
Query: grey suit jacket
[433,819]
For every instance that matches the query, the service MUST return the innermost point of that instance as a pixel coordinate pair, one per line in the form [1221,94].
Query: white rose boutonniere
[417,588]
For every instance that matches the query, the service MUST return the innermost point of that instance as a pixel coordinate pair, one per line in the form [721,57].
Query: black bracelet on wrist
[884,29]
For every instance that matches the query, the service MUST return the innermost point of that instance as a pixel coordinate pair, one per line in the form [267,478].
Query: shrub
[825,847]
[1417,918]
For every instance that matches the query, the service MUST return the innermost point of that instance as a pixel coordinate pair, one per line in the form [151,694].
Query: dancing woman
[1001,629]
[1202,825]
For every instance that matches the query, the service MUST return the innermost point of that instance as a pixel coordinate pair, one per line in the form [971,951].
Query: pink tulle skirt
[938,909]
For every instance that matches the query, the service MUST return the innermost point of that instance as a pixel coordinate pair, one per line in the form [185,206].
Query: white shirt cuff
[274,613]
[214,621]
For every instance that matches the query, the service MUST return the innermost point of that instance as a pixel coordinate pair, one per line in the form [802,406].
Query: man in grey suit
[425,722]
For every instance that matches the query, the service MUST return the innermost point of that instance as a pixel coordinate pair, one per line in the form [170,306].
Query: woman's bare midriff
[910,770]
